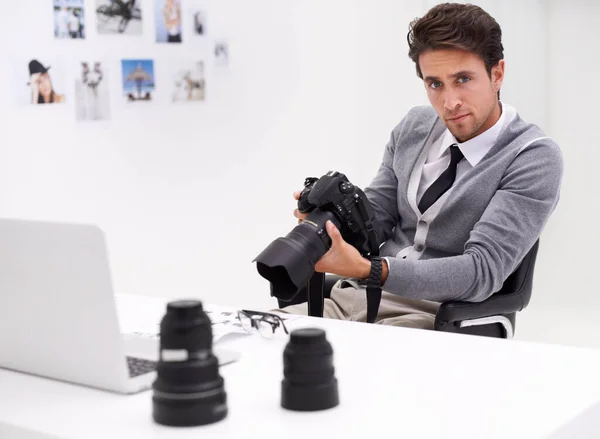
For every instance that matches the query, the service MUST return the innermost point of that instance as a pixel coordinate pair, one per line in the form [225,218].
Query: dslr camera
[288,262]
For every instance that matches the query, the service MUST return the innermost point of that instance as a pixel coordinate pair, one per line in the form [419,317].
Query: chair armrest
[497,304]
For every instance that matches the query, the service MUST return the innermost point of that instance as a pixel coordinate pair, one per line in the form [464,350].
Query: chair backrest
[520,282]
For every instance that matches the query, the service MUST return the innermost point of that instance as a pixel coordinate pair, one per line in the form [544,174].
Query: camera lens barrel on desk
[189,390]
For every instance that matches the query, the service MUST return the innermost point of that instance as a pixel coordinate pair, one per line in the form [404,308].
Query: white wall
[188,195]
[571,255]
[388,85]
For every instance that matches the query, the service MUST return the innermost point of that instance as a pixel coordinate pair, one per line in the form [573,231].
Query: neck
[493,117]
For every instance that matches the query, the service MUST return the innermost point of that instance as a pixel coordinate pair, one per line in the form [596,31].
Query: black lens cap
[185,308]
[309,382]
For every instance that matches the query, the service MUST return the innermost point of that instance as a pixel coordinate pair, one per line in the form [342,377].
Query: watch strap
[374,279]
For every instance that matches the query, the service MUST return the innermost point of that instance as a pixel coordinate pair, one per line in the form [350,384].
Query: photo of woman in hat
[42,91]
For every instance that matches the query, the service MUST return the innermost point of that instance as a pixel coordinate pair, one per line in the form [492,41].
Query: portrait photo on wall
[167,14]
[119,17]
[221,53]
[69,19]
[138,79]
[39,81]
[92,91]
[189,83]
[198,22]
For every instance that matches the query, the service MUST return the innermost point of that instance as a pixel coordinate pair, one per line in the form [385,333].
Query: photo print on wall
[167,14]
[221,53]
[69,19]
[189,83]
[119,17]
[138,79]
[92,92]
[198,22]
[40,81]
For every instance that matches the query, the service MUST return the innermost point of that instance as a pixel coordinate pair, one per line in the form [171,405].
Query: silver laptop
[58,316]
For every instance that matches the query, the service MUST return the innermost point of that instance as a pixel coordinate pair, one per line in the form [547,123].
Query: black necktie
[443,182]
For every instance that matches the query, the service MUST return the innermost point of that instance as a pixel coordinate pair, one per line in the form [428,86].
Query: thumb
[333,232]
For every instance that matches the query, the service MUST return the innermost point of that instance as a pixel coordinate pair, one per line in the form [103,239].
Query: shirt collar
[476,148]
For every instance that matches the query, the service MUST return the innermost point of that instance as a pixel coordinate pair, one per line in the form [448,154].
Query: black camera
[288,263]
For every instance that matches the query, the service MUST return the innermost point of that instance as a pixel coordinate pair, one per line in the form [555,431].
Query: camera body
[334,193]
[288,262]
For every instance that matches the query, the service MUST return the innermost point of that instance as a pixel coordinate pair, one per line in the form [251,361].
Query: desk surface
[406,382]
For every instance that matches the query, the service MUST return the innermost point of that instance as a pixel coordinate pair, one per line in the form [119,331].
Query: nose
[452,100]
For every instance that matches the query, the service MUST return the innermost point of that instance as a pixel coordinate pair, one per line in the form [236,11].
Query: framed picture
[138,79]
[167,14]
[39,80]
[69,19]
[119,17]
[188,81]
[92,92]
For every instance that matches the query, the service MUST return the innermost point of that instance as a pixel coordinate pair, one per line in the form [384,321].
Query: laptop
[58,312]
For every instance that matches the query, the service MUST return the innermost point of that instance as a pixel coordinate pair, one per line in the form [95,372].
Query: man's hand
[342,258]
[297,213]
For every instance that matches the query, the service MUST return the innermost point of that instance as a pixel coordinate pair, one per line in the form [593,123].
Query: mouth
[457,118]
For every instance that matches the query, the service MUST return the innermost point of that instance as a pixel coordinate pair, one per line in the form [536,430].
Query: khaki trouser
[348,301]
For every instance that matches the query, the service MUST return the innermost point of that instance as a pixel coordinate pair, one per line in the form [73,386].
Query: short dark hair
[456,26]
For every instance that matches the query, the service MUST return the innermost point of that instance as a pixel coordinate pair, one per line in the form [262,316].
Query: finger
[296,195]
[333,232]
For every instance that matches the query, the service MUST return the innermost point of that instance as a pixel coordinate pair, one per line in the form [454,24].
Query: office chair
[493,317]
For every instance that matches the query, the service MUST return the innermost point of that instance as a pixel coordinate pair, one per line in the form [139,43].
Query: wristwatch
[374,279]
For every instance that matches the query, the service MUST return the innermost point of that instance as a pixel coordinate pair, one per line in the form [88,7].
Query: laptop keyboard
[139,366]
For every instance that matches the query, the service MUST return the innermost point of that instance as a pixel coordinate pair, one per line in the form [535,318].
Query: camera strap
[373,293]
[315,295]
[373,301]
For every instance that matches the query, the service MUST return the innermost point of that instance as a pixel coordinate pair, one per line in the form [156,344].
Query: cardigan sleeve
[510,225]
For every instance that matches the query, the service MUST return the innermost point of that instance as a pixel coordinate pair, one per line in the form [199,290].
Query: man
[465,187]
[62,23]
[74,24]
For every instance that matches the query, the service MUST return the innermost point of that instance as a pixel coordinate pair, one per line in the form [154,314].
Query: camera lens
[288,263]
[309,382]
[188,389]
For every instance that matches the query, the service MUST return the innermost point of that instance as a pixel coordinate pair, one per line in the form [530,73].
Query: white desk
[422,384]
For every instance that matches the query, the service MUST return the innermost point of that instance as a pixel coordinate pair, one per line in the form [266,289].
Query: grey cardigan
[468,242]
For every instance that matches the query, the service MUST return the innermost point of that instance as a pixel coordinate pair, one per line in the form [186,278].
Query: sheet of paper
[140,316]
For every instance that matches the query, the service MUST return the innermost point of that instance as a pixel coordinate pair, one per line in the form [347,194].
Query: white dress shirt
[473,149]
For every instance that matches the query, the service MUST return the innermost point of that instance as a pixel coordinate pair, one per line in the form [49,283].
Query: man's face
[461,91]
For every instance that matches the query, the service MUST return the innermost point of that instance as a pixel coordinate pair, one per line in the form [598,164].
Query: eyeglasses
[265,323]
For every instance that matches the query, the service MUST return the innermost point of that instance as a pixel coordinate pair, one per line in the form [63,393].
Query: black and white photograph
[189,83]
[92,92]
[119,17]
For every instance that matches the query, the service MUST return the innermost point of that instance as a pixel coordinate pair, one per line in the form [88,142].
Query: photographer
[464,189]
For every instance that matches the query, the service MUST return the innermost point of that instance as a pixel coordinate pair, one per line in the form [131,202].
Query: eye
[463,79]
[435,85]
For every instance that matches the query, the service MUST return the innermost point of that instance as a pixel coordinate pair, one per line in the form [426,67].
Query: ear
[498,75]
